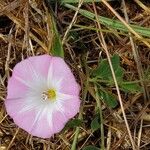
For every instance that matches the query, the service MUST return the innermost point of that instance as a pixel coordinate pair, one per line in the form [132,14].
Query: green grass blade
[57,48]
[115,24]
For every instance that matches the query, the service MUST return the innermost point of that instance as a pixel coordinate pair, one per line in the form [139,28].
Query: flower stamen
[49,94]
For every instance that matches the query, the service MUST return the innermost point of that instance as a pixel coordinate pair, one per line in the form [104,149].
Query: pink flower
[42,95]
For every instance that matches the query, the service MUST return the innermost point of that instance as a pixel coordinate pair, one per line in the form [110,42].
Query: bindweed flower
[42,95]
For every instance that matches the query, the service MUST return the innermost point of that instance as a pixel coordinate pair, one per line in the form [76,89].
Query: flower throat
[49,95]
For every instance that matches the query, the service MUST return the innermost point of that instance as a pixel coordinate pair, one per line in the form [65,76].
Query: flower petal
[25,72]
[60,70]
[71,107]
[16,89]
[59,121]
[31,69]
[41,126]
[70,104]
[13,106]
[41,64]
[25,120]
[33,120]
[25,103]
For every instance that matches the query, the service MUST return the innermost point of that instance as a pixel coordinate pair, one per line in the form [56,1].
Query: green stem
[101,119]
[73,147]
[84,95]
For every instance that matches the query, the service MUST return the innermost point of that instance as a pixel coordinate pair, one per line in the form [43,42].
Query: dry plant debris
[26,30]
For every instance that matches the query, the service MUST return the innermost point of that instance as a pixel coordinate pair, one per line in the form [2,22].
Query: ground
[110,61]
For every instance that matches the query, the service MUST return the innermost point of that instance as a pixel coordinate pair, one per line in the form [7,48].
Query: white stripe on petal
[50,117]
[27,108]
[37,118]
[23,82]
[35,76]
[58,84]
[62,96]
[31,67]
[14,99]
[50,74]
[59,107]
[29,105]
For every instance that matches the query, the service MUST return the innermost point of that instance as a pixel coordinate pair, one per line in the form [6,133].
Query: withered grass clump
[26,30]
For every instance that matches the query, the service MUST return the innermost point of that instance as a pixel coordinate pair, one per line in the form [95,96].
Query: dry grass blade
[24,25]
[13,139]
[72,22]
[125,23]
[136,58]
[103,43]
[91,35]
[3,119]
[10,7]
[27,27]
[142,6]
[140,134]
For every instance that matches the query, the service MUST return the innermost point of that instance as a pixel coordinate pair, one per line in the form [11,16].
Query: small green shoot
[95,124]
[103,70]
[74,123]
[108,98]
[57,48]
[103,77]
[130,87]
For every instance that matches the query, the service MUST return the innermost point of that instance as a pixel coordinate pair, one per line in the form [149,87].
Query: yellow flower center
[50,94]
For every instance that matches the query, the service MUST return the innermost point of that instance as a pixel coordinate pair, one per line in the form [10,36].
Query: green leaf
[74,123]
[119,72]
[91,147]
[103,71]
[57,48]
[95,124]
[130,87]
[108,98]
[111,23]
